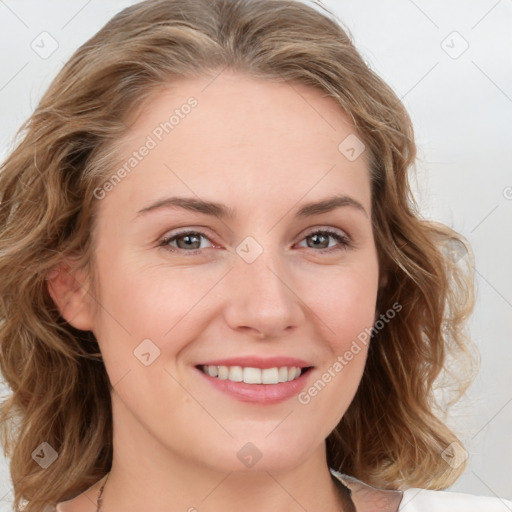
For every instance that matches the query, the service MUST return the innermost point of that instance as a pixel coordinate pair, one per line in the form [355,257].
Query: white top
[371,499]
[423,500]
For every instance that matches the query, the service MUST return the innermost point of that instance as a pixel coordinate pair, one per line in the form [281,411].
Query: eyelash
[344,240]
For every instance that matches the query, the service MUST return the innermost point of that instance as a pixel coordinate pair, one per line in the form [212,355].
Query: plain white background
[450,62]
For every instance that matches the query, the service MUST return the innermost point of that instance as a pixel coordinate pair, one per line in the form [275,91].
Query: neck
[309,486]
[146,475]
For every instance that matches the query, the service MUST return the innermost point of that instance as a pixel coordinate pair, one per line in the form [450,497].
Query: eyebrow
[222,211]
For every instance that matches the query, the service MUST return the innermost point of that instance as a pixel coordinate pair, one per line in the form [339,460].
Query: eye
[320,240]
[188,241]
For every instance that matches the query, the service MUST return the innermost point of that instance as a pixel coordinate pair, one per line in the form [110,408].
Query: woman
[227,297]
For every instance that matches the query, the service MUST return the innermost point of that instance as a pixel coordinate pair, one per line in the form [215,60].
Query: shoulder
[423,500]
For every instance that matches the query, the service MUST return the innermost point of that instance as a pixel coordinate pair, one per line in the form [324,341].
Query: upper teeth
[253,375]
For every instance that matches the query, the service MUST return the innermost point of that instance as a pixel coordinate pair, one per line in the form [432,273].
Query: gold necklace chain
[99,502]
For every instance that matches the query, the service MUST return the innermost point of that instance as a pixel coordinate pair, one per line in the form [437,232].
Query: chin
[248,456]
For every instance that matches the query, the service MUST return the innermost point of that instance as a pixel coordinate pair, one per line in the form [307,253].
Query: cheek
[343,301]
[353,314]
[146,299]
[157,303]
[344,304]
[346,313]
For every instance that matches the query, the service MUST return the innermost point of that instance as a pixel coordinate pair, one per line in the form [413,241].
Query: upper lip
[258,362]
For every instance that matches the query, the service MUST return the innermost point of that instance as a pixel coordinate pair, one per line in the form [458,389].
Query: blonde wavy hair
[395,430]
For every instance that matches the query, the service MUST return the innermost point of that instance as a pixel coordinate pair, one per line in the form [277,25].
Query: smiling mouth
[251,375]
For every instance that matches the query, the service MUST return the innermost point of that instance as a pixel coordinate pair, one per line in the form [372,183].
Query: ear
[69,289]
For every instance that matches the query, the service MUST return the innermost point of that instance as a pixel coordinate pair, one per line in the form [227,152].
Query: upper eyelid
[203,232]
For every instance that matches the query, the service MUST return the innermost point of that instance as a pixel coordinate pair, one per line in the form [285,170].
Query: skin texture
[264,149]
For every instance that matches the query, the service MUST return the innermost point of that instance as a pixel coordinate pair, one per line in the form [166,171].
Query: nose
[261,297]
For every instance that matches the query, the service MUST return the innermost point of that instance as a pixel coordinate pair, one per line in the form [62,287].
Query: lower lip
[259,393]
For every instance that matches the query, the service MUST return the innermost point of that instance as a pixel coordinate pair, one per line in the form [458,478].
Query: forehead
[241,139]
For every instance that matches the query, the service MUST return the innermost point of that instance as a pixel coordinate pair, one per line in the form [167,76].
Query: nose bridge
[261,294]
[266,273]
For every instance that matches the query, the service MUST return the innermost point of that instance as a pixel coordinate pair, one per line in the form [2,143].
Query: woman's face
[260,288]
